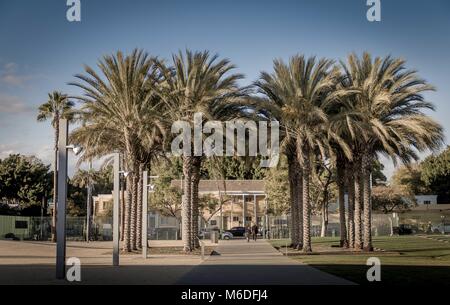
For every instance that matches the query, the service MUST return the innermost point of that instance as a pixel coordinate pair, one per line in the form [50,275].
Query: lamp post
[88,203]
[116,202]
[62,197]
[443,224]
[148,188]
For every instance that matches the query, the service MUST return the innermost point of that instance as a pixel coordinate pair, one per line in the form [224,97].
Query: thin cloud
[13,104]
[10,76]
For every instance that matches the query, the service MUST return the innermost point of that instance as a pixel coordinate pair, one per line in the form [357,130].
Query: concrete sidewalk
[239,263]
[255,263]
[34,263]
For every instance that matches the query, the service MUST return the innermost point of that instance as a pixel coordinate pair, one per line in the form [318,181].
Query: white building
[426,199]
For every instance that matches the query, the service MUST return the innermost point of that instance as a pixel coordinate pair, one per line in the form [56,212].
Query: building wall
[102,204]
[233,212]
[426,199]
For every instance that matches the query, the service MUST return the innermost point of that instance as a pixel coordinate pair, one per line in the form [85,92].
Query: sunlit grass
[405,260]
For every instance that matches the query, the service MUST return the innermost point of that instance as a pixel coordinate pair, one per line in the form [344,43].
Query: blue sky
[40,50]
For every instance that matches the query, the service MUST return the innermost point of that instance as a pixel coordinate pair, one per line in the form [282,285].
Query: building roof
[228,186]
[431,207]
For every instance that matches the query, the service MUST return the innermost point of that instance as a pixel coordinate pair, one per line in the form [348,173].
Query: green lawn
[407,260]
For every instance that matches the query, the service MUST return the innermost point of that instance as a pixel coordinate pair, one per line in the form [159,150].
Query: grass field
[407,260]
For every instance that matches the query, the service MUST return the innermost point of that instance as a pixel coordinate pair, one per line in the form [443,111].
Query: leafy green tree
[233,168]
[410,178]
[278,191]
[388,199]
[436,175]
[24,181]
[209,206]
[166,198]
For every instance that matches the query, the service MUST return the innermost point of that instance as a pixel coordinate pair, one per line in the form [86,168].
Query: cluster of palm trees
[130,107]
[347,113]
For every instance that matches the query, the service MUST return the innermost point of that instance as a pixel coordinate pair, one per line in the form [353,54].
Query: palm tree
[272,108]
[86,179]
[120,104]
[303,89]
[197,83]
[57,106]
[388,104]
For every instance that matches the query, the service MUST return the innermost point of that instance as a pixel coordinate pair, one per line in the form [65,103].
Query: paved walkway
[255,263]
[239,263]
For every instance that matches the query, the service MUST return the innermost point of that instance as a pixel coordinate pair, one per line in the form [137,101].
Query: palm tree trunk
[139,207]
[55,182]
[299,204]
[122,210]
[127,217]
[133,217]
[366,169]
[306,203]
[186,205]
[293,184]
[341,197]
[197,162]
[351,206]
[357,216]
[324,220]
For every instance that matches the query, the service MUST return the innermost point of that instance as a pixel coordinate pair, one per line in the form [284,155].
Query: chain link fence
[406,223]
[39,228]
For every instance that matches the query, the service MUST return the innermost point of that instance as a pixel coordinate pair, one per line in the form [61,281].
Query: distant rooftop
[228,186]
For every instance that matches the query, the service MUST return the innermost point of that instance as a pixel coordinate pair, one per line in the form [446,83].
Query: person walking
[248,232]
[255,232]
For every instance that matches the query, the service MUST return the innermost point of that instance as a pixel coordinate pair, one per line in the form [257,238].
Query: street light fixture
[125,173]
[75,148]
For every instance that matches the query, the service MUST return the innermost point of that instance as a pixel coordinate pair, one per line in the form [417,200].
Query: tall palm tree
[58,106]
[272,108]
[388,104]
[196,83]
[303,88]
[120,104]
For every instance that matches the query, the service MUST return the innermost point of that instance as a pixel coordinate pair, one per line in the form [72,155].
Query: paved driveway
[239,263]
[255,263]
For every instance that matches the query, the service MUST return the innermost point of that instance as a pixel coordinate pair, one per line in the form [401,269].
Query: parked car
[406,229]
[237,231]
[227,235]
[205,233]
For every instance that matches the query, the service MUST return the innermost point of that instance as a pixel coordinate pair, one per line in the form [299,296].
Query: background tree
[409,178]
[209,206]
[277,189]
[24,181]
[388,199]
[435,173]
[322,190]
[166,199]
[57,107]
